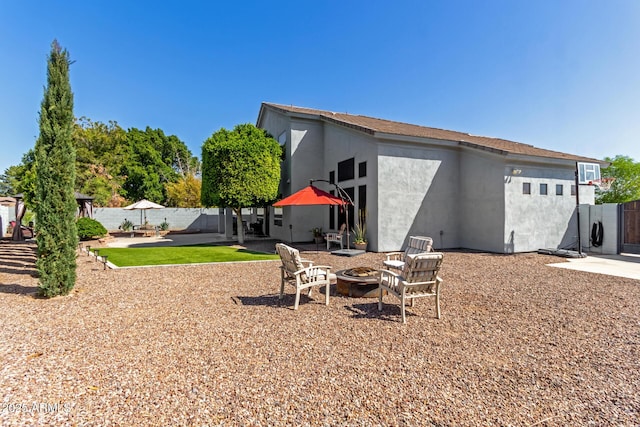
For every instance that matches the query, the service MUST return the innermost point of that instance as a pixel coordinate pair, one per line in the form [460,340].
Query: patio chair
[417,245]
[419,279]
[302,274]
[336,237]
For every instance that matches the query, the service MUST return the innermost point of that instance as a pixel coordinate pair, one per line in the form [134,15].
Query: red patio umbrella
[310,196]
[313,196]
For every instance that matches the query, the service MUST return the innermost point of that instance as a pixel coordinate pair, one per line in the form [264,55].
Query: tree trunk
[239,226]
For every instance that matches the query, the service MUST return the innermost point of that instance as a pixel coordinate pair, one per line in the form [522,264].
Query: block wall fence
[191,219]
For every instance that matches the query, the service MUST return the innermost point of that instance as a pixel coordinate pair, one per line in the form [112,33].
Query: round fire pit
[359,282]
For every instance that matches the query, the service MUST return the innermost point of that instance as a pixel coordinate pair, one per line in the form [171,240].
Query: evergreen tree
[56,205]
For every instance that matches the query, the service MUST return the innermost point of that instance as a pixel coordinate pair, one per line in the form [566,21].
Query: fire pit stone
[359,282]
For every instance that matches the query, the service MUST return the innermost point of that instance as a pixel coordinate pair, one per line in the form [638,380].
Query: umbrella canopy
[310,196]
[143,205]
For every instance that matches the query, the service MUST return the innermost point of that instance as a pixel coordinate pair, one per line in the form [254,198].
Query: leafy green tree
[240,168]
[185,193]
[101,150]
[20,179]
[113,165]
[10,181]
[155,160]
[626,186]
[55,205]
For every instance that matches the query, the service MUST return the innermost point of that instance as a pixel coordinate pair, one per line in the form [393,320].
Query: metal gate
[630,227]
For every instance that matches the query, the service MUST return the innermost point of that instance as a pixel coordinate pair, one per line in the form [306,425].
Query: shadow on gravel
[269,300]
[19,290]
[389,313]
[21,270]
[18,258]
[370,311]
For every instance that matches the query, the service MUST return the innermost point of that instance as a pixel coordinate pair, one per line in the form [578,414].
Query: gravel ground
[519,343]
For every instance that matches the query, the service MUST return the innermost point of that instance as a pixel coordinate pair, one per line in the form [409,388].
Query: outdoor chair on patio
[302,274]
[336,237]
[417,245]
[419,279]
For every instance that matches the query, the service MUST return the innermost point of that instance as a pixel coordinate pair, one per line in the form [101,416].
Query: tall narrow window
[362,197]
[277,217]
[342,213]
[543,189]
[362,169]
[573,190]
[559,189]
[346,170]
[526,188]
[332,177]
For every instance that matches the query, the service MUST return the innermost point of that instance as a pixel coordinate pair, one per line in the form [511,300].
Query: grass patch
[136,257]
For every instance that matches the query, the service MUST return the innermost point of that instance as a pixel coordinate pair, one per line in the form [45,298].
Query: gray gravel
[519,343]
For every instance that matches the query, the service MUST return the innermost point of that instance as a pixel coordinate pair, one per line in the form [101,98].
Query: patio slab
[622,265]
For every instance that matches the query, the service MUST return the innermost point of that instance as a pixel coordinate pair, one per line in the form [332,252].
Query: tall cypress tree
[56,205]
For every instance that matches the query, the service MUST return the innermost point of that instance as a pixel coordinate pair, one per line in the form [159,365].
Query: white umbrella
[143,205]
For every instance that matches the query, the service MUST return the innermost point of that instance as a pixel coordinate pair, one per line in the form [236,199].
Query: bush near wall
[90,228]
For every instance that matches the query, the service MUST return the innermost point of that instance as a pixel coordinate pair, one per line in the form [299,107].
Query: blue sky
[562,75]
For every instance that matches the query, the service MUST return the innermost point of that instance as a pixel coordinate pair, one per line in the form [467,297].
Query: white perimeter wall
[203,219]
[608,215]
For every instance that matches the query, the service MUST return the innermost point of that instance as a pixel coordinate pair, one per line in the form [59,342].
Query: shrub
[126,225]
[164,225]
[90,228]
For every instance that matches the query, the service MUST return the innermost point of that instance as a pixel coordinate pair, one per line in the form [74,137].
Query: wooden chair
[336,237]
[294,272]
[419,279]
[416,245]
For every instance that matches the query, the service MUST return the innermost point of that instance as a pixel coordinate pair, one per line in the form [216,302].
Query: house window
[362,169]
[342,213]
[573,190]
[543,189]
[332,177]
[526,188]
[277,217]
[362,197]
[559,189]
[346,169]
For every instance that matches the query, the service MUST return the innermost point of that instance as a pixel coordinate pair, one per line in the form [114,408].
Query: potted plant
[164,227]
[317,234]
[126,225]
[359,232]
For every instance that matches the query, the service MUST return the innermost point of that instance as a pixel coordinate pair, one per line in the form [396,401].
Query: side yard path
[519,343]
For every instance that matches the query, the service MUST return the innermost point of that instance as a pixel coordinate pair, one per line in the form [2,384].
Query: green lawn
[135,257]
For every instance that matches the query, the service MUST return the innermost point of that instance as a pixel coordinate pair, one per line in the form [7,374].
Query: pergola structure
[85,209]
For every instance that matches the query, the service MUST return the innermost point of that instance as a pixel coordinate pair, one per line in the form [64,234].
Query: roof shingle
[379,127]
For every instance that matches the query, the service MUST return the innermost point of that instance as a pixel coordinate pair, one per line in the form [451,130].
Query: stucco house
[463,190]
